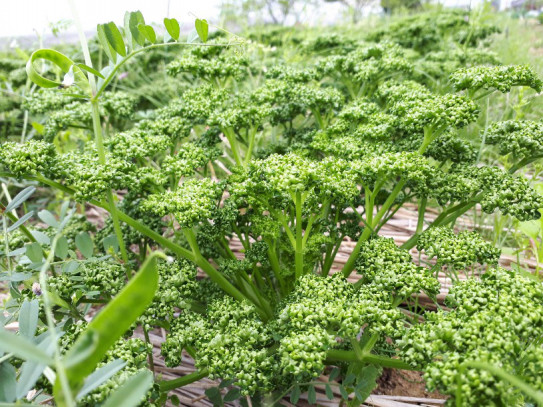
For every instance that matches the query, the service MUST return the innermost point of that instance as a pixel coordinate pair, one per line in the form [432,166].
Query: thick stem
[299,252]
[368,207]
[350,264]
[149,351]
[444,218]
[231,137]
[98,137]
[422,210]
[523,163]
[276,267]
[249,153]
[168,385]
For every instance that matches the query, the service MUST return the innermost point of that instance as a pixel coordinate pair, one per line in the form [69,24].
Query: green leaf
[23,348]
[40,128]
[28,318]
[88,341]
[232,395]
[29,374]
[349,379]
[62,62]
[334,373]
[90,70]
[115,39]
[127,32]
[61,249]
[132,391]
[202,29]
[148,32]
[295,394]
[135,18]
[70,267]
[20,221]
[367,381]
[34,252]
[100,376]
[41,237]
[104,43]
[48,218]
[172,26]
[344,392]
[55,298]
[7,383]
[20,198]
[214,395]
[84,243]
[531,228]
[15,276]
[30,371]
[311,395]
[226,383]
[114,320]
[192,36]
[110,242]
[329,392]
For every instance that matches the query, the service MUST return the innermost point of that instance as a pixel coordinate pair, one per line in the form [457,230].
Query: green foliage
[495,321]
[501,78]
[215,147]
[458,251]
[521,139]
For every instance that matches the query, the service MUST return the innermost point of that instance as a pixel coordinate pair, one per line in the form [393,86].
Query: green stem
[7,356]
[350,264]
[62,377]
[231,137]
[23,228]
[276,267]
[111,202]
[83,43]
[523,162]
[249,153]
[149,351]
[445,217]
[168,385]
[319,118]
[422,210]
[299,253]
[368,207]
[191,239]
[428,138]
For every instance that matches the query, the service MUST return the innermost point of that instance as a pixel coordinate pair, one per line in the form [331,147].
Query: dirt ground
[403,383]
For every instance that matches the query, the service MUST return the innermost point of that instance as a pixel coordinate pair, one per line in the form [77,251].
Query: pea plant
[287,163]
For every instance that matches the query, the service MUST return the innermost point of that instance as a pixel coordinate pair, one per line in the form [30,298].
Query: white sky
[22,17]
